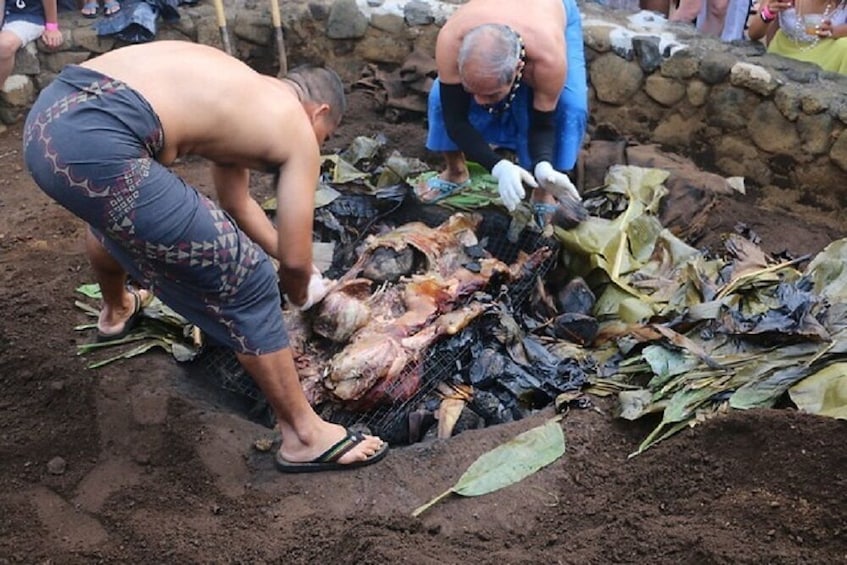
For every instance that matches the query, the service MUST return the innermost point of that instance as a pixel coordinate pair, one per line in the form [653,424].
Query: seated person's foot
[90,9]
[435,188]
[111,7]
[342,449]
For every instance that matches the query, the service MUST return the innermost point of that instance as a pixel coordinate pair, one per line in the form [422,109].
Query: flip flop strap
[540,211]
[136,296]
[445,187]
[337,451]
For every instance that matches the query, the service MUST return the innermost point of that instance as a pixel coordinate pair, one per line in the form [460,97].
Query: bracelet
[51,26]
[766,15]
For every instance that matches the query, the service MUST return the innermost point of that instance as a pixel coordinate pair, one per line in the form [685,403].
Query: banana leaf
[677,412]
[828,273]
[824,392]
[363,148]
[160,327]
[480,192]
[666,364]
[91,290]
[631,248]
[765,392]
[508,463]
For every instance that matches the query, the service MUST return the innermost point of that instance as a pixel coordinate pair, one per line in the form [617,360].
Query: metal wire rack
[446,359]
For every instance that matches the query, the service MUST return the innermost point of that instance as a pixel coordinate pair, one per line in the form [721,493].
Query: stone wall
[732,108]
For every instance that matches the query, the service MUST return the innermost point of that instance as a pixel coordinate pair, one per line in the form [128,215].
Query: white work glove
[510,181]
[316,291]
[555,182]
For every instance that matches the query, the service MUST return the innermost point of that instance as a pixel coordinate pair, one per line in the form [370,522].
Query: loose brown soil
[158,470]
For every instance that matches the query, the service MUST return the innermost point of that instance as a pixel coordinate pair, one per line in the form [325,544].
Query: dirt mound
[136,462]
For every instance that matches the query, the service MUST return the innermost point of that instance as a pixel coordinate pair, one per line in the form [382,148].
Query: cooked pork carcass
[381,368]
[344,310]
[380,364]
[442,247]
[388,327]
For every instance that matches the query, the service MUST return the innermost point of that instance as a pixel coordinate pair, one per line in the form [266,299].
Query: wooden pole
[280,41]
[219,11]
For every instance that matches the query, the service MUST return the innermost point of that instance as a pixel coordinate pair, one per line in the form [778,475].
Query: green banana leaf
[480,192]
[508,463]
[827,271]
[160,327]
[823,393]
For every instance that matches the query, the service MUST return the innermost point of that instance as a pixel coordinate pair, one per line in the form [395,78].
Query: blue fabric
[90,143]
[136,22]
[510,129]
[24,10]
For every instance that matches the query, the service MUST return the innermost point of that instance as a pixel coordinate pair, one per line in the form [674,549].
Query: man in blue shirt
[25,21]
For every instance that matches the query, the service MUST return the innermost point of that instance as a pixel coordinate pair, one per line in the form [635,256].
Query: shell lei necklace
[506,103]
[800,27]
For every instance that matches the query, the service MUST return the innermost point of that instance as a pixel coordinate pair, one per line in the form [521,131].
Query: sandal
[436,189]
[131,322]
[542,212]
[90,9]
[111,7]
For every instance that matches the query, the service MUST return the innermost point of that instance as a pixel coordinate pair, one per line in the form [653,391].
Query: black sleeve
[542,136]
[455,104]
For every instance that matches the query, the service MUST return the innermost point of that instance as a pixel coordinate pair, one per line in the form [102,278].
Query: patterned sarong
[90,143]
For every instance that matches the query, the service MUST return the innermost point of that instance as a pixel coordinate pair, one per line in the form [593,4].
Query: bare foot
[438,187]
[330,435]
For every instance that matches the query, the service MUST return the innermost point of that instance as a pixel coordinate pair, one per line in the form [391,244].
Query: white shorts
[26,31]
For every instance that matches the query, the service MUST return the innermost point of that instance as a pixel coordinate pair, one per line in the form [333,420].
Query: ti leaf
[91,290]
[508,463]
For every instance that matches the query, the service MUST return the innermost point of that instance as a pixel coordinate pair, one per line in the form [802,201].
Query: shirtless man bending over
[99,140]
[511,74]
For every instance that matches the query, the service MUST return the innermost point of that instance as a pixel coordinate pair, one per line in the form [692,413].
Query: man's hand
[316,291]
[510,181]
[556,183]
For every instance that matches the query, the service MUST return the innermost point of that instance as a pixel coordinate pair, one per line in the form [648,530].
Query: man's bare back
[213,105]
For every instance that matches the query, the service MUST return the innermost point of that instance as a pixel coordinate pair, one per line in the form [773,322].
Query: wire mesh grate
[443,360]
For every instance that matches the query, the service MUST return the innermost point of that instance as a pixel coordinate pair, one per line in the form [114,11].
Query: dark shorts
[90,143]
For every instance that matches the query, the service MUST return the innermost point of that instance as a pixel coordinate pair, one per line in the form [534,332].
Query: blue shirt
[25,10]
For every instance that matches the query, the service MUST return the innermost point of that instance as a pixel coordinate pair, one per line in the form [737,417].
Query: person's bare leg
[715,17]
[660,6]
[305,435]
[456,169]
[118,303]
[687,11]
[9,45]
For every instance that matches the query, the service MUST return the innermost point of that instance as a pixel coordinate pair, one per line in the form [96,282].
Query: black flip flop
[328,460]
[131,322]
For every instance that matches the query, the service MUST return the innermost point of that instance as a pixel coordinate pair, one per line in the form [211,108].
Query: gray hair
[493,50]
[322,86]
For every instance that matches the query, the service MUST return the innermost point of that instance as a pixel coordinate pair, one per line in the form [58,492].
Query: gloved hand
[316,291]
[556,183]
[510,180]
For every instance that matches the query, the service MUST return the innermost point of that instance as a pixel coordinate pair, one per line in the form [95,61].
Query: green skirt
[830,54]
